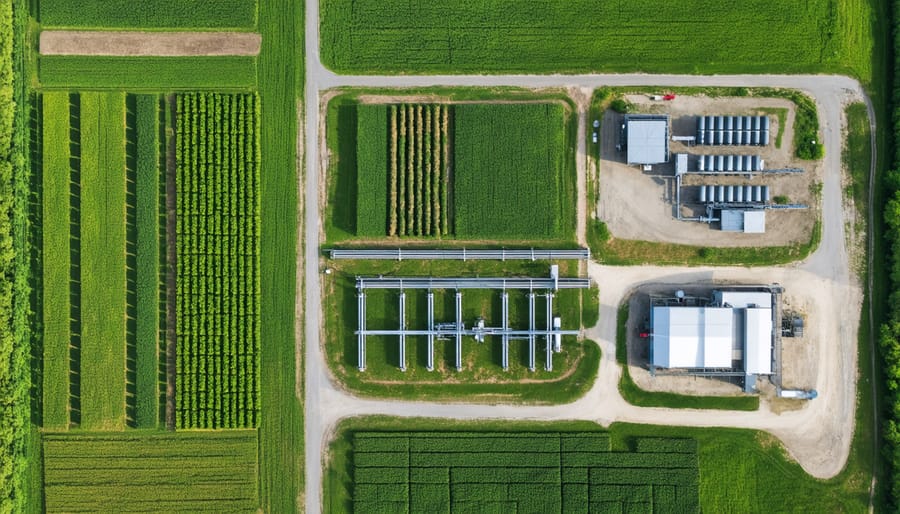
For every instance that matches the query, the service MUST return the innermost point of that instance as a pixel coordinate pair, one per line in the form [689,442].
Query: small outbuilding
[647,139]
[746,221]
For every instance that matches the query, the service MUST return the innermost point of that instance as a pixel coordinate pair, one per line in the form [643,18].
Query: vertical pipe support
[549,364]
[458,331]
[505,337]
[430,364]
[402,330]
[531,328]
[361,334]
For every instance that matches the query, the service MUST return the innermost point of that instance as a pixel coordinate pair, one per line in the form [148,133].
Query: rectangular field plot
[217,290]
[469,171]
[124,14]
[147,73]
[151,472]
[378,36]
[520,472]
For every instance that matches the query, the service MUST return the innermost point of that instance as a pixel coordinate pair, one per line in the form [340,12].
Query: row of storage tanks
[734,194]
[733,130]
[730,163]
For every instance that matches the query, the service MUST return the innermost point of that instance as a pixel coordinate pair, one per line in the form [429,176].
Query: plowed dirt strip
[165,44]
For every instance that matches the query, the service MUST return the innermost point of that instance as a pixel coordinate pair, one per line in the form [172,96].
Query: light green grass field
[103,260]
[56,306]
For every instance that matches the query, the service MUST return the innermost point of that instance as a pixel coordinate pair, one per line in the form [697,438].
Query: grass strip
[103,283]
[56,191]
[147,73]
[147,260]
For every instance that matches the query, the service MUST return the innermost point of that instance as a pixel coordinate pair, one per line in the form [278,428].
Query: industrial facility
[646,139]
[733,130]
[731,333]
[455,329]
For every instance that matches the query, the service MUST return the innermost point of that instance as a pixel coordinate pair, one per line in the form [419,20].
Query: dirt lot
[169,44]
[623,186]
[797,353]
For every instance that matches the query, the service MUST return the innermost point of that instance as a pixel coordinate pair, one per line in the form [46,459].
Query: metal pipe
[531,327]
[361,338]
[458,331]
[504,298]
[430,363]
[403,331]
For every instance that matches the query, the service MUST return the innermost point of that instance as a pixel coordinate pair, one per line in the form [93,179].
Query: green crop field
[504,472]
[698,36]
[103,287]
[147,73]
[147,258]
[56,311]
[217,291]
[149,14]
[511,172]
[472,171]
[151,472]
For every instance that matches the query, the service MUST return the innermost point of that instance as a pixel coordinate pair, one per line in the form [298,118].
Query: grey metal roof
[648,139]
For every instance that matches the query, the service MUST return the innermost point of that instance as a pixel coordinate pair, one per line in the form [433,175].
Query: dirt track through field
[164,44]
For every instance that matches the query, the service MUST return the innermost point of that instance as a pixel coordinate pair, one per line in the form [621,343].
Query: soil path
[165,44]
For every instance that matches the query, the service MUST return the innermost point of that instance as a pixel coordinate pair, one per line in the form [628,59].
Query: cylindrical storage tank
[757,163]
[714,137]
[707,162]
[701,140]
[739,194]
[738,163]
[720,122]
[747,123]
[726,137]
[720,194]
[710,194]
[720,163]
[729,122]
[729,163]
[762,163]
[764,123]
[710,123]
[755,121]
[738,137]
[748,193]
[764,140]
[701,163]
[729,194]
[754,137]
[738,123]
[702,194]
[747,136]
[757,194]
[701,123]
[765,194]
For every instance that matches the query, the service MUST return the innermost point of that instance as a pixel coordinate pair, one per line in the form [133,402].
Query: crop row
[217,286]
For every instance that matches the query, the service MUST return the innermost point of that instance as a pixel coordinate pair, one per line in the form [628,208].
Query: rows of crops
[217,291]
[109,14]
[378,36]
[509,472]
[510,172]
[151,472]
[407,147]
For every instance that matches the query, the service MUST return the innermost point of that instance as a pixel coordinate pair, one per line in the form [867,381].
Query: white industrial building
[647,139]
[733,333]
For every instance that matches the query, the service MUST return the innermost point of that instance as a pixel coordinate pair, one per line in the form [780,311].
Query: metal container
[738,163]
[738,123]
[729,163]
[729,122]
[754,137]
[701,123]
[720,194]
[757,194]
[720,163]
[711,194]
[738,137]
[739,194]
[755,122]
[729,194]
[765,137]
[764,123]
[720,122]
[765,194]
[702,194]
[757,163]
[701,163]
[748,193]
[716,137]
[726,137]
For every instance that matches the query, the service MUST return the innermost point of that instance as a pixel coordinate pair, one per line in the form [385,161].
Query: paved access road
[817,435]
